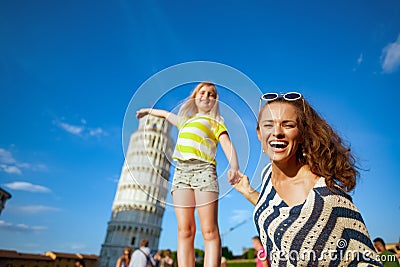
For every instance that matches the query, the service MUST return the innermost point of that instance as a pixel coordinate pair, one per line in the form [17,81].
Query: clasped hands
[239,180]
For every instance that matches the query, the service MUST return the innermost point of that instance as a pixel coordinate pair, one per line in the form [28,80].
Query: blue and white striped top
[326,230]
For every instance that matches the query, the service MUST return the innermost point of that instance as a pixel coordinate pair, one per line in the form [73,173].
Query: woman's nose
[278,131]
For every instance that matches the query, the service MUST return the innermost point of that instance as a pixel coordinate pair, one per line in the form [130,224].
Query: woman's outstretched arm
[230,153]
[169,116]
[243,186]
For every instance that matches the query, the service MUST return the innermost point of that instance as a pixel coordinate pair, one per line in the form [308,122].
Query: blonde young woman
[195,182]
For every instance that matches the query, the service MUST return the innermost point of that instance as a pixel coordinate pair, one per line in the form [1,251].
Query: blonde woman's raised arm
[169,116]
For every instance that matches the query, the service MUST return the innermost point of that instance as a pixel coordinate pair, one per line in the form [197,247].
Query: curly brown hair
[323,150]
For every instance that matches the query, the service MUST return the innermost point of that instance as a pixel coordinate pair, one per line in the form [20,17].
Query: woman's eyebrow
[282,121]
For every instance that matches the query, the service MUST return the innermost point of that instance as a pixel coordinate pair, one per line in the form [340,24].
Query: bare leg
[207,207]
[184,203]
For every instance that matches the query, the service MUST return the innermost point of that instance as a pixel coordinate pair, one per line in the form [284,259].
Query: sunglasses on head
[291,96]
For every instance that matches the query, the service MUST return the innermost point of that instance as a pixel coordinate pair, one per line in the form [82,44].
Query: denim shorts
[196,175]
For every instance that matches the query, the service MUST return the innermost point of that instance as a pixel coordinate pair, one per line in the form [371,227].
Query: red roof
[16,255]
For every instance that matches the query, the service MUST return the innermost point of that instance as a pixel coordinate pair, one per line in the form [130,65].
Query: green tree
[250,254]
[227,253]
[198,253]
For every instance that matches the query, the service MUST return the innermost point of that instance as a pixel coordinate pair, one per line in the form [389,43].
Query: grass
[241,263]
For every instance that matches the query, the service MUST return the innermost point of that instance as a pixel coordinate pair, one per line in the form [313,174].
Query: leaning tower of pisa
[138,205]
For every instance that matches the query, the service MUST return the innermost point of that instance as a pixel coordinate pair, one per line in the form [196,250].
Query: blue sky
[69,71]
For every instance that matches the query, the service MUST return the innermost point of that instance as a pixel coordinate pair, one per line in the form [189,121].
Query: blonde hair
[189,108]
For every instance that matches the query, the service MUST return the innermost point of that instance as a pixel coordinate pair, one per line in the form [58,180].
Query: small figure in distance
[125,259]
[387,257]
[223,262]
[167,261]
[141,257]
[79,263]
[158,258]
[261,255]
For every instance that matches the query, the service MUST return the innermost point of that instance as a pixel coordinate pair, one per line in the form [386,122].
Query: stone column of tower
[139,203]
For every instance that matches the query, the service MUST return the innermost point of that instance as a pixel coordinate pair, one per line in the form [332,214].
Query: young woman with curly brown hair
[303,213]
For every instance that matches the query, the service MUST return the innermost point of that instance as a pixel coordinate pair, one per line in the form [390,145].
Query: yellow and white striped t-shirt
[198,140]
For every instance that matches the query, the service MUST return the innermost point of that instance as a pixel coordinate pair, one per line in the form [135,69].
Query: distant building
[65,259]
[4,195]
[12,258]
[139,202]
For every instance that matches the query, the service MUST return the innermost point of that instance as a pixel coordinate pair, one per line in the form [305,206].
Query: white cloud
[6,157]
[19,227]
[10,169]
[359,61]
[80,130]
[97,132]
[25,186]
[36,209]
[9,164]
[72,129]
[391,56]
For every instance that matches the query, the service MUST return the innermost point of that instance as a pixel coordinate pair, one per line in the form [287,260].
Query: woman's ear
[258,134]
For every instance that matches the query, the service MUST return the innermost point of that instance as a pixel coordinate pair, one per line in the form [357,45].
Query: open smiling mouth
[278,144]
